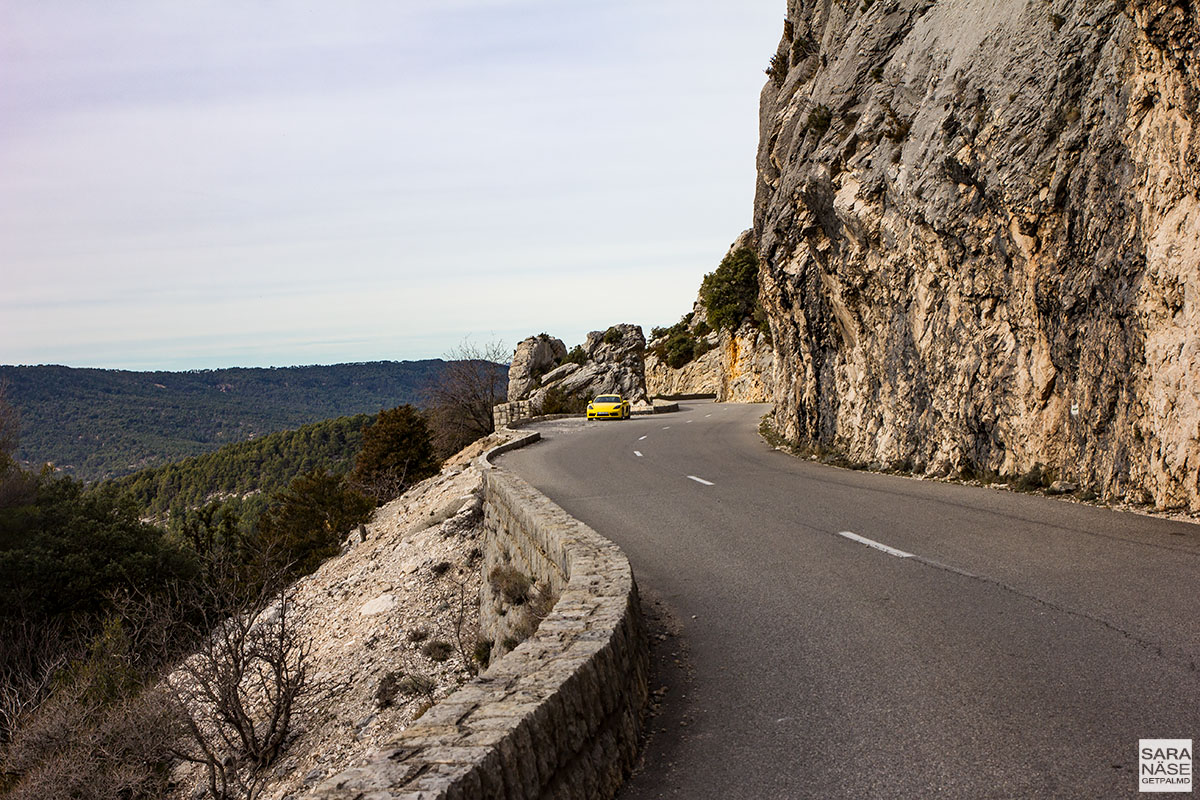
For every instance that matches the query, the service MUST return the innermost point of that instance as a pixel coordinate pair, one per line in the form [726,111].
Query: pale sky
[192,184]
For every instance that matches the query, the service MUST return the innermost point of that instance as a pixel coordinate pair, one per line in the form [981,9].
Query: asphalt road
[1012,647]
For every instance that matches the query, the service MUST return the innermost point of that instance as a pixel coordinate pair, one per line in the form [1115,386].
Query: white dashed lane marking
[701,480]
[891,551]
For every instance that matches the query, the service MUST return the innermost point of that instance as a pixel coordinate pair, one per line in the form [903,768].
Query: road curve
[962,642]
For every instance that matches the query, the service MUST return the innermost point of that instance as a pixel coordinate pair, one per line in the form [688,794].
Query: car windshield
[608,398]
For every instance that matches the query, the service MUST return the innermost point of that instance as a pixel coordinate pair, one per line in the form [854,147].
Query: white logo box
[1165,765]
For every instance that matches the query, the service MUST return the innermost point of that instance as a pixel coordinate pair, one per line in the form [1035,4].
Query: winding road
[839,634]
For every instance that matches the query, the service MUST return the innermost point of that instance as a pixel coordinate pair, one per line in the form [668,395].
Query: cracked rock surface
[980,228]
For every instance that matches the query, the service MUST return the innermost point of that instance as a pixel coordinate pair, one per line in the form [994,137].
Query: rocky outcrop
[735,367]
[613,360]
[703,375]
[534,357]
[980,231]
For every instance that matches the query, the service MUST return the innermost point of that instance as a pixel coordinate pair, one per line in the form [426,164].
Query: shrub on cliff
[778,68]
[576,356]
[819,120]
[557,401]
[730,293]
[680,349]
[679,345]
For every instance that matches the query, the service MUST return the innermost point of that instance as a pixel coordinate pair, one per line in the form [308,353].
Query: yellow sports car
[608,406]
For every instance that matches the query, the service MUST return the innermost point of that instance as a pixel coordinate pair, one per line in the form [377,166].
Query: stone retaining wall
[559,716]
[505,414]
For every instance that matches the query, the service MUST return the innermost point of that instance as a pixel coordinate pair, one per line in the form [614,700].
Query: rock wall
[980,231]
[738,369]
[560,715]
[703,375]
[747,367]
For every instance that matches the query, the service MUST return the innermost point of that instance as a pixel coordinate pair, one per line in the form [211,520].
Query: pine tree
[396,453]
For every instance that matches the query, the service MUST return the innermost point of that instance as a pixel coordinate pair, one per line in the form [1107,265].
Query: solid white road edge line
[701,480]
[891,551]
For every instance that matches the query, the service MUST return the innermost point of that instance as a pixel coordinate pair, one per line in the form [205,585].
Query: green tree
[10,424]
[396,453]
[730,293]
[305,523]
[16,486]
[65,550]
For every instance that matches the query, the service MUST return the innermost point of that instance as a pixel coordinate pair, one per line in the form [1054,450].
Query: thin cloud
[181,177]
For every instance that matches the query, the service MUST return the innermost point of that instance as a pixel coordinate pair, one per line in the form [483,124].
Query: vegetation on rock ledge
[730,293]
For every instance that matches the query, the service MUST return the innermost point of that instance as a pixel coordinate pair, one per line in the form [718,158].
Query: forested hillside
[256,468]
[98,603]
[97,423]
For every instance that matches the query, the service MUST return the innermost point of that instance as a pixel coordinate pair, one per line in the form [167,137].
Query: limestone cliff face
[738,369]
[736,366]
[748,367]
[980,230]
[701,375]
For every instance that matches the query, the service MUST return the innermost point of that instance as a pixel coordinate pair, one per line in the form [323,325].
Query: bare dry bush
[462,623]
[32,654]
[240,693]
[76,747]
[97,736]
[511,584]
[462,398]
[384,485]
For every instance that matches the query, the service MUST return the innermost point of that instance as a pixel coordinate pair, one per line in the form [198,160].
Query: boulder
[558,373]
[535,356]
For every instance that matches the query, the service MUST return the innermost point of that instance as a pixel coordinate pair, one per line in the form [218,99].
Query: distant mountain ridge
[103,423]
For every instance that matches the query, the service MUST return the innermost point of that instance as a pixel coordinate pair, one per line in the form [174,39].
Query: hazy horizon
[231,366]
[205,186]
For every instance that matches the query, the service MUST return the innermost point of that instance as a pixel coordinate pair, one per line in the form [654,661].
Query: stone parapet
[560,715]
[505,414]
